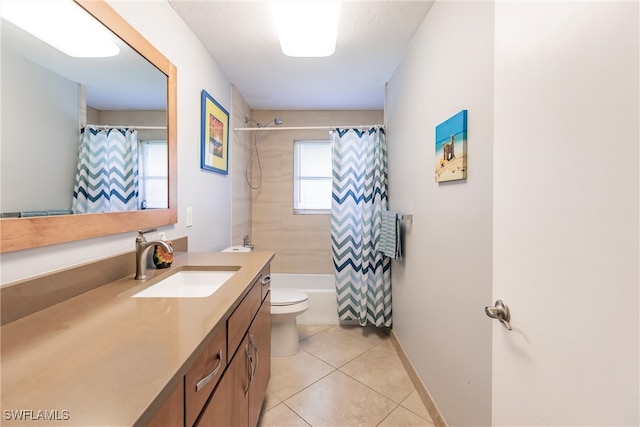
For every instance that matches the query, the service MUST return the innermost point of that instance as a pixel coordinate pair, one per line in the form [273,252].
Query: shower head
[276,121]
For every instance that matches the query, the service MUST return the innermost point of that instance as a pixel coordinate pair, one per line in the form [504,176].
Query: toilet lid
[287,296]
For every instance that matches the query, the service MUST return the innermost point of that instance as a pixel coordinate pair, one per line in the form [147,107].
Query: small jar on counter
[162,259]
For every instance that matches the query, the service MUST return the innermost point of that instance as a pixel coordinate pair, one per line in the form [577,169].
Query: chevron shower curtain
[362,273]
[107,173]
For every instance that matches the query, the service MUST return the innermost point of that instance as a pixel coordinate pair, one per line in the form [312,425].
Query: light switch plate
[189,219]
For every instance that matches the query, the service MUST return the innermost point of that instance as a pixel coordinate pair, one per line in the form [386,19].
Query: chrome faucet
[246,242]
[142,248]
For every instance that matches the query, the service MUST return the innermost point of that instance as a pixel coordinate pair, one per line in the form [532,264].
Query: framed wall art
[214,151]
[451,148]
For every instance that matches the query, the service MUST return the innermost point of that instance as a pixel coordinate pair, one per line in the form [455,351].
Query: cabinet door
[228,404]
[260,342]
[171,413]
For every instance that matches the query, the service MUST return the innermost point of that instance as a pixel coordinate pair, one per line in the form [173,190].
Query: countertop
[103,358]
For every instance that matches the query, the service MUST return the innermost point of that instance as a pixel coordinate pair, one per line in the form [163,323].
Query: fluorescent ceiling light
[63,25]
[307,28]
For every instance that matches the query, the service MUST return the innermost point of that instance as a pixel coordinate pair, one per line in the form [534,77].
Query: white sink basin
[187,284]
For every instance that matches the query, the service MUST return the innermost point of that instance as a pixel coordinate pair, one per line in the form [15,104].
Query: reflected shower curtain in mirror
[107,173]
[359,195]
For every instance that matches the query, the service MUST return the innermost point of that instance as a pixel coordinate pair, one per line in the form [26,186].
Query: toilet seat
[285,297]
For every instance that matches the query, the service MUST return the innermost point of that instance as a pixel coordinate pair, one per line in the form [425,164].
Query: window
[153,173]
[312,177]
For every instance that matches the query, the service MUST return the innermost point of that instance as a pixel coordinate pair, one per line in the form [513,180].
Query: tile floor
[342,376]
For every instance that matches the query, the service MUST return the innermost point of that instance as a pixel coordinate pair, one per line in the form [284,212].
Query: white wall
[208,193]
[441,288]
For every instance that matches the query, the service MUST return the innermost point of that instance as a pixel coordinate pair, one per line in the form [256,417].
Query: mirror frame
[24,233]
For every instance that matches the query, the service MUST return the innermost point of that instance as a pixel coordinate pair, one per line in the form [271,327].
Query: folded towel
[26,214]
[390,235]
[10,215]
[60,212]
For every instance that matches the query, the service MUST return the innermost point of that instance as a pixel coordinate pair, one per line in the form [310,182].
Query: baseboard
[424,394]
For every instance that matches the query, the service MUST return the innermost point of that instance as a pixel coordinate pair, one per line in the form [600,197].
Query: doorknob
[500,312]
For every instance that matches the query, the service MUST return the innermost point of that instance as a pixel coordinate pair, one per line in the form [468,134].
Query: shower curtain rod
[308,127]
[128,126]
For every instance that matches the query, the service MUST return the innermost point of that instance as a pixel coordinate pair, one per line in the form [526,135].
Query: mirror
[29,232]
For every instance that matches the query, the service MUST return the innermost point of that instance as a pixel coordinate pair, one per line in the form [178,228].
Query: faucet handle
[141,234]
[147,230]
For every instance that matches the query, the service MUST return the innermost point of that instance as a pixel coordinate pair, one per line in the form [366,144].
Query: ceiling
[241,37]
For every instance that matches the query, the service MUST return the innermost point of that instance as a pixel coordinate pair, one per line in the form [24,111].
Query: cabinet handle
[255,351]
[250,361]
[266,280]
[204,381]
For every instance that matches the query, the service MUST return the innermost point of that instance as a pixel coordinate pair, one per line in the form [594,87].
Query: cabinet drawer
[265,280]
[242,317]
[203,376]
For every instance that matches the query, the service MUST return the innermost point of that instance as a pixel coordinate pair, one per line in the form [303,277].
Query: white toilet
[286,305]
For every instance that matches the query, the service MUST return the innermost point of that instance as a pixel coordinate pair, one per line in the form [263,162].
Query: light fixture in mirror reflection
[47,97]
[63,25]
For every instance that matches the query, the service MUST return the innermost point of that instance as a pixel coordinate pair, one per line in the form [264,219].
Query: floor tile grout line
[414,412]
[373,389]
[314,334]
[388,398]
[306,387]
[355,379]
[335,367]
[284,401]
[349,376]
[297,414]
[308,422]
[386,416]
[389,414]
[381,343]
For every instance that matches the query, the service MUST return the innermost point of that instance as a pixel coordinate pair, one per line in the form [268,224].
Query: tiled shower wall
[302,243]
[131,117]
[240,148]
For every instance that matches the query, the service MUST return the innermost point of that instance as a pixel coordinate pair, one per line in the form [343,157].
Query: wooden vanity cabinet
[238,398]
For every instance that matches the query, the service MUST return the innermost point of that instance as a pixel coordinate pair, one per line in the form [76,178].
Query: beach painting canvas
[451,148]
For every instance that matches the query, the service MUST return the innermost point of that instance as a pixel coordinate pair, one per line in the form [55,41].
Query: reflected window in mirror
[153,182]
